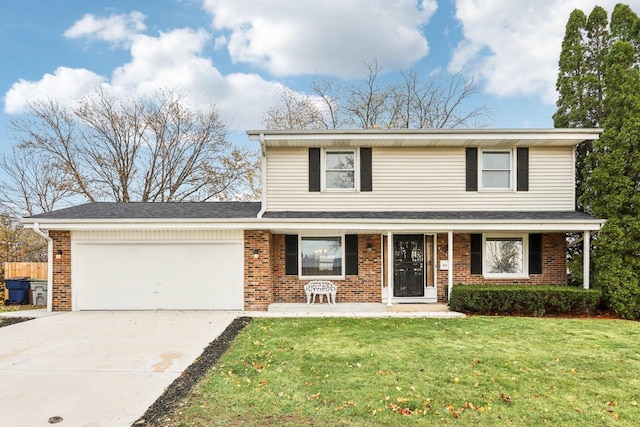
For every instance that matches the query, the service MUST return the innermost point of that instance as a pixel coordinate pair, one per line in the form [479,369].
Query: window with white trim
[497,170]
[505,256]
[321,256]
[340,170]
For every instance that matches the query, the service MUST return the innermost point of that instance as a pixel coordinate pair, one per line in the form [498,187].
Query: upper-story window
[340,170]
[497,170]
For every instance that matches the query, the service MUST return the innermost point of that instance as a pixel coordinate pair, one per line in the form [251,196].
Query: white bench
[320,287]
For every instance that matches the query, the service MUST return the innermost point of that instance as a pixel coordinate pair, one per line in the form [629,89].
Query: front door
[408,265]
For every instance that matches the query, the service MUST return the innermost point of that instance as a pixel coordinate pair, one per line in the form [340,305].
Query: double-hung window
[340,170]
[497,170]
[321,256]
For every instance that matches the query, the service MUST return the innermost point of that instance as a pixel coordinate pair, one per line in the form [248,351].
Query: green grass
[482,371]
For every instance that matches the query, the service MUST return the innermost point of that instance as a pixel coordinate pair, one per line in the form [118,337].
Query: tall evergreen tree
[583,92]
[624,25]
[570,83]
[613,188]
[597,47]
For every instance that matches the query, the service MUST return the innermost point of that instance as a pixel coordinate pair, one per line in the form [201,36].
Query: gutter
[263,167]
[45,235]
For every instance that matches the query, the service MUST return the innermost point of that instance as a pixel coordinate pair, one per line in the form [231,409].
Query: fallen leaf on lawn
[314,396]
[573,371]
[612,403]
[456,380]
[453,411]
[505,398]
[359,365]
[580,411]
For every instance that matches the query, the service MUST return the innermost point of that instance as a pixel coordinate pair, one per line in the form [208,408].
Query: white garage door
[158,275]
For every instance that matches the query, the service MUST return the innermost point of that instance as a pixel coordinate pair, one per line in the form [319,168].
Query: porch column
[586,258]
[389,268]
[450,264]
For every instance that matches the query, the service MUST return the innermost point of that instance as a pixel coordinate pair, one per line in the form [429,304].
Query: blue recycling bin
[18,288]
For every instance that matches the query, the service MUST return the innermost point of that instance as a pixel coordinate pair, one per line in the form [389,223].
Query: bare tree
[156,148]
[328,93]
[18,243]
[366,102]
[31,184]
[294,111]
[415,102]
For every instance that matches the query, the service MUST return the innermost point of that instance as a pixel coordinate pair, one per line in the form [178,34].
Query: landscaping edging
[8,321]
[180,387]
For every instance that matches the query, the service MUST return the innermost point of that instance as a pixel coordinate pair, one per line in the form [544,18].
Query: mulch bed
[8,321]
[158,414]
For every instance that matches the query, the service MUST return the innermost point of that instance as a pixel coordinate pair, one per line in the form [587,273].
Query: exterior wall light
[58,253]
[256,253]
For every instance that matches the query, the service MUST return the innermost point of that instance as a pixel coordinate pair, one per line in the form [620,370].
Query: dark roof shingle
[438,215]
[156,210]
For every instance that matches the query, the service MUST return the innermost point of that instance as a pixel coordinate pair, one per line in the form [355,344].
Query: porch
[440,311]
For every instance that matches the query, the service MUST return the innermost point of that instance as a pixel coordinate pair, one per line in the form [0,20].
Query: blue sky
[242,52]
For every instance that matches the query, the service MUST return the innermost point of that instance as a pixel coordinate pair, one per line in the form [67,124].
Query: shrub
[535,300]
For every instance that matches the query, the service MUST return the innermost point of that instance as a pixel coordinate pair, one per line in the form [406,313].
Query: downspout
[263,171]
[45,235]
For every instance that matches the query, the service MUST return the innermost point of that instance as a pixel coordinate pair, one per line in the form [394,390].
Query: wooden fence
[33,270]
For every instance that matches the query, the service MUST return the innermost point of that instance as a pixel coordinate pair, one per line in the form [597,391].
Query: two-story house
[388,216]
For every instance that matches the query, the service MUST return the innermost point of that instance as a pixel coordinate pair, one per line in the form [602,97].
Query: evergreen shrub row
[535,300]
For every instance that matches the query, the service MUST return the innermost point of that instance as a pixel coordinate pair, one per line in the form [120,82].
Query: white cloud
[116,29]
[334,37]
[171,60]
[63,85]
[514,45]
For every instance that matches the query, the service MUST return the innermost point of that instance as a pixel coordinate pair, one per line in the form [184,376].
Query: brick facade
[365,287]
[265,281]
[258,270]
[61,283]
[554,263]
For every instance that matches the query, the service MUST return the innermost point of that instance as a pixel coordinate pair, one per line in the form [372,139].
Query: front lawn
[477,371]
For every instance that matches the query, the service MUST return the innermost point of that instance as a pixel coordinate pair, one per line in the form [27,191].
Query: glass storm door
[408,265]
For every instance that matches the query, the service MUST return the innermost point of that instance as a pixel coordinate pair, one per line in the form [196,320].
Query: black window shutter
[314,169]
[476,254]
[291,254]
[472,169]
[523,169]
[365,169]
[535,253]
[351,253]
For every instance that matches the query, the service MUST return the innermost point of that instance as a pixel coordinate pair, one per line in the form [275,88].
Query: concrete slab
[39,312]
[438,311]
[98,368]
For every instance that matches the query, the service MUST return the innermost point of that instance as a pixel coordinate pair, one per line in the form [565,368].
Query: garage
[157,275]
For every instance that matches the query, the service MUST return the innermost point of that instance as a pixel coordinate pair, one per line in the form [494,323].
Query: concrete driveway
[97,368]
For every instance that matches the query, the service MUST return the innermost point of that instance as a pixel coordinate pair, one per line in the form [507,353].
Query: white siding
[429,179]
[157,235]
